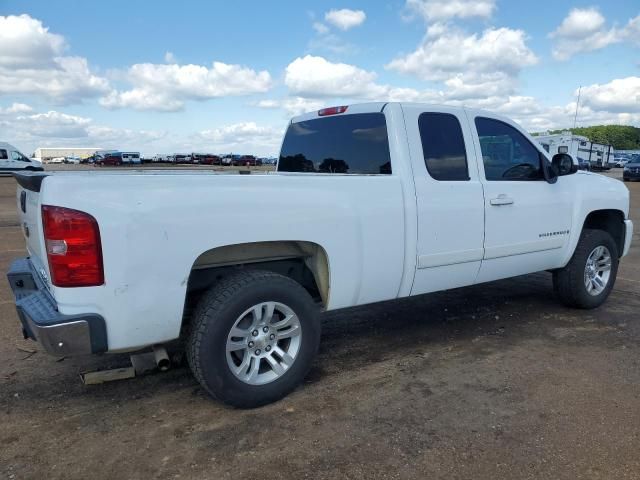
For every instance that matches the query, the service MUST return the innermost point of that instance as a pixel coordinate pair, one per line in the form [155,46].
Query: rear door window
[443,146]
[3,154]
[355,143]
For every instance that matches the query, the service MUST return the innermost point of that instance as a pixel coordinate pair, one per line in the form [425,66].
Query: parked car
[246,161]
[584,164]
[370,202]
[631,171]
[206,158]
[12,160]
[620,163]
[72,160]
[57,160]
[113,159]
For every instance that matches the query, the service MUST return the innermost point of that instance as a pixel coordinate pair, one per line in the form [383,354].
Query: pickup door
[449,198]
[527,220]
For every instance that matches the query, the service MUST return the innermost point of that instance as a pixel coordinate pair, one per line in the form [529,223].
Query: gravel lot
[486,382]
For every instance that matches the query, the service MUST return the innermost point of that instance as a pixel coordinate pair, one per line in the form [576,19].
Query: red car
[207,159]
[110,159]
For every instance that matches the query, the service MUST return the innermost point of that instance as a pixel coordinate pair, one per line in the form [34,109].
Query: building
[598,155]
[45,154]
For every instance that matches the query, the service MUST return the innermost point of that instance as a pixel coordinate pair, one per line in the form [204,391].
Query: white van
[12,160]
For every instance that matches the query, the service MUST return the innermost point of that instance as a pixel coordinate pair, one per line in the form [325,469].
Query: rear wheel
[588,278]
[253,339]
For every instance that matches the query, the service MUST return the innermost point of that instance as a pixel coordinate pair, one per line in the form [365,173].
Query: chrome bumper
[61,335]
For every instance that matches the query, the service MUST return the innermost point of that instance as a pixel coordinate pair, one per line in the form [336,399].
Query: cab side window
[506,153]
[443,146]
[18,156]
[3,154]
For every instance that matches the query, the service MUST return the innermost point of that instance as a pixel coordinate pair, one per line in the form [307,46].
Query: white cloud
[15,108]
[238,132]
[345,19]
[533,115]
[483,65]
[631,31]
[166,87]
[314,82]
[293,105]
[244,137]
[320,28]
[32,61]
[124,138]
[52,124]
[580,23]
[53,128]
[314,76]
[585,30]
[439,10]
[619,96]
[56,129]
[169,57]
[445,53]
[26,43]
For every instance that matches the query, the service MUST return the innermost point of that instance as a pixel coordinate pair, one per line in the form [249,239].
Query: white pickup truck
[370,202]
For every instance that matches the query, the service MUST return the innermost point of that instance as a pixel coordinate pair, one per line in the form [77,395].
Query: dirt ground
[494,381]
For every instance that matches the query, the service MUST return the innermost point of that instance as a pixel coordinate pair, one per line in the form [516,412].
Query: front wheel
[588,278]
[253,338]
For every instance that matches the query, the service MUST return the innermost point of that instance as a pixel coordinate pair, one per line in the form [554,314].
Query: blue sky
[141,75]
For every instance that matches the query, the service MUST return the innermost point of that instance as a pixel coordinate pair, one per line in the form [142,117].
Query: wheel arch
[305,262]
[609,220]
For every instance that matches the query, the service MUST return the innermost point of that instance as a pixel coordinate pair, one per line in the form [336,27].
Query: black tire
[215,315]
[569,282]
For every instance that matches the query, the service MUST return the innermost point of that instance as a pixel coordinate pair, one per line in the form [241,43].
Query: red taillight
[72,240]
[332,111]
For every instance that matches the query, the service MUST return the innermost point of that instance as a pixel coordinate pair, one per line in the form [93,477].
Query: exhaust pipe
[162,358]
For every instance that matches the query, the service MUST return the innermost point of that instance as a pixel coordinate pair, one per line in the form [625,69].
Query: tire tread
[568,281]
[215,300]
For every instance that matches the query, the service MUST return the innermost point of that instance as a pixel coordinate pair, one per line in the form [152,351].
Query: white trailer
[598,155]
[131,157]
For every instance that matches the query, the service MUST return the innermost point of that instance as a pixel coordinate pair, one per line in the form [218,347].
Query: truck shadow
[370,333]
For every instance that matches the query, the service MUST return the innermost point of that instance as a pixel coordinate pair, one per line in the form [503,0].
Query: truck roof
[370,107]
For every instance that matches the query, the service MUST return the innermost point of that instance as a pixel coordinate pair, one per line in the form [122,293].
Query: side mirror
[548,170]
[563,164]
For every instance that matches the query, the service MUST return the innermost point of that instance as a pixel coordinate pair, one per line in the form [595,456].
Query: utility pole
[575,117]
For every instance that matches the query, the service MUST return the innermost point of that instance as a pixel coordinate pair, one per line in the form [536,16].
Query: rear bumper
[628,234]
[628,175]
[61,335]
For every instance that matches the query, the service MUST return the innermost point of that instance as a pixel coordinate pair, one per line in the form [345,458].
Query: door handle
[501,199]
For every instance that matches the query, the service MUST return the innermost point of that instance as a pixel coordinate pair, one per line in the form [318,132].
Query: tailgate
[28,199]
